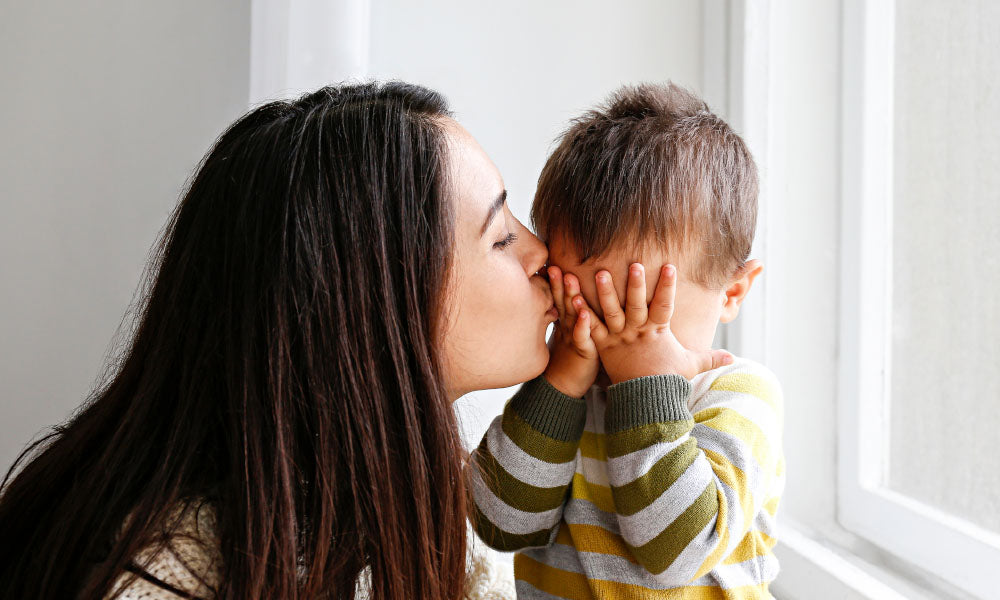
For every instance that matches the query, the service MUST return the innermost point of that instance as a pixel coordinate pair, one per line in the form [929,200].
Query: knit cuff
[549,411]
[645,400]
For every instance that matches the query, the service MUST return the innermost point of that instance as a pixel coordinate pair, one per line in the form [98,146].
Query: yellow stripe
[732,422]
[753,544]
[594,445]
[771,506]
[599,495]
[566,584]
[748,383]
[732,476]
[557,582]
[593,538]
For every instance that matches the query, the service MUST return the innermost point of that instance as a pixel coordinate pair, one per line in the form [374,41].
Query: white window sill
[816,567]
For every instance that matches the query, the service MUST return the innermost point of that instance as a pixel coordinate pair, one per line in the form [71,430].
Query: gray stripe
[504,516]
[524,466]
[764,523]
[526,591]
[600,566]
[690,558]
[583,512]
[739,455]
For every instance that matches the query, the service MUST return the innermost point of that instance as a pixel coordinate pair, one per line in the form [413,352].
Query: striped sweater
[657,487]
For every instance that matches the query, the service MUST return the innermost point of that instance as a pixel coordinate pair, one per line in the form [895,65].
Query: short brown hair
[653,163]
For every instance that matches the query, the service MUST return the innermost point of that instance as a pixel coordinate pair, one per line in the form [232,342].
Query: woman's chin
[543,360]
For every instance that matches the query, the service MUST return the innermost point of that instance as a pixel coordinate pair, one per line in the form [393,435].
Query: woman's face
[498,305]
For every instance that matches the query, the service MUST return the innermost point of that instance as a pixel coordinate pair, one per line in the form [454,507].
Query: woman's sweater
[189,567]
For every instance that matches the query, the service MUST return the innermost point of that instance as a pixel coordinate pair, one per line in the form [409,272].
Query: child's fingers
[614,316]
[571,288]
[556,286]
[661,309]
[635,296]
[581,331]
[598,330]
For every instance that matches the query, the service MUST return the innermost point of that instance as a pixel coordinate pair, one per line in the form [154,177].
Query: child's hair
[652,164]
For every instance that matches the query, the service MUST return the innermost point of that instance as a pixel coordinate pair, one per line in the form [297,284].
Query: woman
[342,267]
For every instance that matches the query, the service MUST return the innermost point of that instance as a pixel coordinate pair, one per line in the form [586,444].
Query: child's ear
[738,289]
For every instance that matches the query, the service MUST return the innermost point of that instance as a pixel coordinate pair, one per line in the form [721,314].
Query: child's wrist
[570,386]
[623,376]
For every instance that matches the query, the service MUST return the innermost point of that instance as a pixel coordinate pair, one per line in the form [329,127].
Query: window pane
[945,412]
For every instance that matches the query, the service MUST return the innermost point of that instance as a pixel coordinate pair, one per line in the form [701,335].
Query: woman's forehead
[474,179]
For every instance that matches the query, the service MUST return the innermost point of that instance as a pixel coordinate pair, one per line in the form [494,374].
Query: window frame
[952,548]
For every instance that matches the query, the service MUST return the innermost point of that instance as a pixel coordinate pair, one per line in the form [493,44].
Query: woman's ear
[738,289]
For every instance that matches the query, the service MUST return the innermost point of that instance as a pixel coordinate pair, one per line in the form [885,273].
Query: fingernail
[636,270]
[727,359]
[602,277]
[670,270]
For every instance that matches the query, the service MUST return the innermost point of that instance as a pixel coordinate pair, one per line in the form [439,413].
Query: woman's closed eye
[506,241]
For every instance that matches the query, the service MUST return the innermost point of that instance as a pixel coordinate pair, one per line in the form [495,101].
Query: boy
[624,471]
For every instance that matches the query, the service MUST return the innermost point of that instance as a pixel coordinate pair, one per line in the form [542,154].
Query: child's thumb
[713,359]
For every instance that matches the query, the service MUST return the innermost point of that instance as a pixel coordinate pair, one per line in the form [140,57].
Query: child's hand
[573,359]
[638,341]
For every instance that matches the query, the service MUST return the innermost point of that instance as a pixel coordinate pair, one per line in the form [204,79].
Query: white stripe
[735,452]
[754,571]
[749,406]
[734,516]
[593,470]
[523,466]
[643,526]
[629,467]
[597,403]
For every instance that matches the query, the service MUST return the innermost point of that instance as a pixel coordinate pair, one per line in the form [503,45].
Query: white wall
[946,309]
[516,72]
[105,110]
[806,176]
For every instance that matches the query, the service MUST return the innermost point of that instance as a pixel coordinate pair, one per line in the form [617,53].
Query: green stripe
[640,438]
[501,540]
[513,491]
[660,552]
[645,400]
[642,491]
[537,443]
[549,411]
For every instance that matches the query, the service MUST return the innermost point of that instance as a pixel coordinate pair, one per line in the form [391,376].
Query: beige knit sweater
[190,563]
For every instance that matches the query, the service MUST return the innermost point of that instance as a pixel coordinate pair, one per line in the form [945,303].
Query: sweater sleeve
[687,487]
[519,475]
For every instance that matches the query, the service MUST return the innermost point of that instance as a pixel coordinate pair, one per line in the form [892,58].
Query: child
[624,471]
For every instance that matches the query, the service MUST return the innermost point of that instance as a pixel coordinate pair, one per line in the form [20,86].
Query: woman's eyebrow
[494,209]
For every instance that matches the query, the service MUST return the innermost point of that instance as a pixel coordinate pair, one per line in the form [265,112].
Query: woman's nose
[536,254]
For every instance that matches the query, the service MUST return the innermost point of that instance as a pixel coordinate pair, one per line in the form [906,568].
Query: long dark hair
[283,368]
